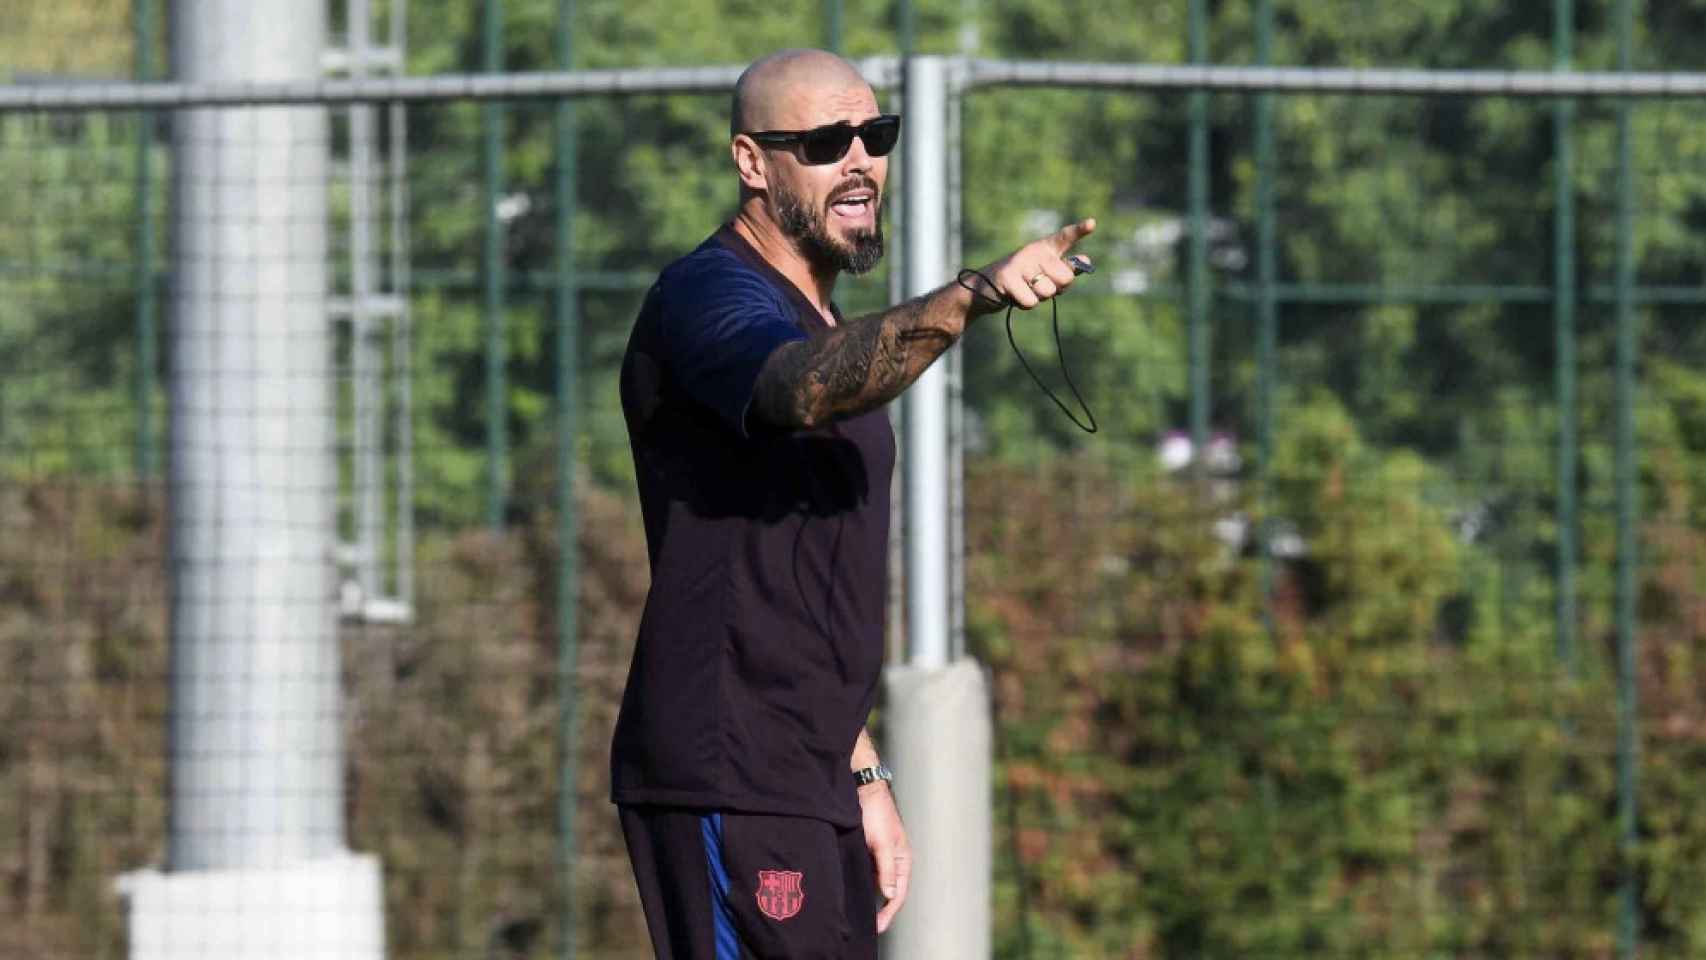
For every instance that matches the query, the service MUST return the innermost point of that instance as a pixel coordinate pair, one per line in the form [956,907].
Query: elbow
[812,416]
[789,415]
[791,406]
[803,418]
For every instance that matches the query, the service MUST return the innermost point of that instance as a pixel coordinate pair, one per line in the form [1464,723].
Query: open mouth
[854,204]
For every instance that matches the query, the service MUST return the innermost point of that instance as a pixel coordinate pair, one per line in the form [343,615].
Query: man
[757,813]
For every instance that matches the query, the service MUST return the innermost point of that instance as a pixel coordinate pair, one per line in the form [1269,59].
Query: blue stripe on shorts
[728,942]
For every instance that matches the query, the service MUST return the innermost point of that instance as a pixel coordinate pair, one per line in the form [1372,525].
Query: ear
[749,162]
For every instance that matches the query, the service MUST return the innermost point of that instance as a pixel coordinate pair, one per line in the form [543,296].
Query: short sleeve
[720,322]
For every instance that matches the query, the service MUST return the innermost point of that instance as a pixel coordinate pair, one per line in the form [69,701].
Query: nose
[858,160]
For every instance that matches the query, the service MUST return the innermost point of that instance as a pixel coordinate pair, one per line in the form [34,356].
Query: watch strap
[869,775]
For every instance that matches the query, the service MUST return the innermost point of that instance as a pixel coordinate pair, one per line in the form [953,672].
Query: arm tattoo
[857,366]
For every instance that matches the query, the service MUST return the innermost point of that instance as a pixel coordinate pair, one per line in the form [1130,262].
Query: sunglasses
[830,143]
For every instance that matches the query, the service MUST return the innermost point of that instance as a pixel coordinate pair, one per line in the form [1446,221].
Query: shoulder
[713,273]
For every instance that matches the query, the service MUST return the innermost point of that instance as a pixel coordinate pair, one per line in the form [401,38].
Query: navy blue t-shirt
[761,644]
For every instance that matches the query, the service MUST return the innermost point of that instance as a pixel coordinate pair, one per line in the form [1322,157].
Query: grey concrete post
[939,744]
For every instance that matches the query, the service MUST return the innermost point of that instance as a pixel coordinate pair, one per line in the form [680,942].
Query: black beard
[821,249]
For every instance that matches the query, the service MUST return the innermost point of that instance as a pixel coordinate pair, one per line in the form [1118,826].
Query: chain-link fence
[1367,626]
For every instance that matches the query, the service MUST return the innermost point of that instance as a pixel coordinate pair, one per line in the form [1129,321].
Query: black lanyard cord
[1054,310]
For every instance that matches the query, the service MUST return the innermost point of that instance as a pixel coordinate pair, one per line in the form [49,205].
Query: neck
[756,227]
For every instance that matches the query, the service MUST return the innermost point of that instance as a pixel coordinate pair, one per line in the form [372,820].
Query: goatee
[858,254]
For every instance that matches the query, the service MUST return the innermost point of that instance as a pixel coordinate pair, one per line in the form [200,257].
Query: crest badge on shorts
[779,893]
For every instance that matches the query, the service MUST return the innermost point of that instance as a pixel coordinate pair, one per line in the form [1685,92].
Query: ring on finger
[1033,280]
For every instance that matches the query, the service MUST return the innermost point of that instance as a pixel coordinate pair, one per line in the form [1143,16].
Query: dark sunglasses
[830,143]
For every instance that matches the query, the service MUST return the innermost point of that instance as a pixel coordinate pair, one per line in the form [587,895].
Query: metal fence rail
[883,72]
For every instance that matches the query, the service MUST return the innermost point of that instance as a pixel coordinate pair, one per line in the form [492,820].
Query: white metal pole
[956,395]
[925,406]
[256,865]
[938,738]
[365,367]
[402,349]
[257,759]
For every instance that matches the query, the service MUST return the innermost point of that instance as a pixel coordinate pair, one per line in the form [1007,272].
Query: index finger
[1069,235]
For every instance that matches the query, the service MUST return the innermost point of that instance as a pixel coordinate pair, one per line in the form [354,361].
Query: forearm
[861,364]
[864,751]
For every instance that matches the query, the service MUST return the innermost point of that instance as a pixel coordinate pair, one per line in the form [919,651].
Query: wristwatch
[870,775]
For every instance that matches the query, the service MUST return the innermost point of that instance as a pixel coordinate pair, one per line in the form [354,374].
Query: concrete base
[326,909]
[937,738]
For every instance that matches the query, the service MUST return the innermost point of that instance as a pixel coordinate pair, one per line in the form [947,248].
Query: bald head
[814,208]
[777,88]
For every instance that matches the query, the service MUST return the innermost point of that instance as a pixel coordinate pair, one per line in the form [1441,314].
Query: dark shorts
[732,886]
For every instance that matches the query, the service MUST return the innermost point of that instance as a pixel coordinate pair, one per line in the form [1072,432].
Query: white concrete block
[331,909]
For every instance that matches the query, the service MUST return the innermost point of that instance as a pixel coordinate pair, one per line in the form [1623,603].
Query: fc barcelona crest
[779,893]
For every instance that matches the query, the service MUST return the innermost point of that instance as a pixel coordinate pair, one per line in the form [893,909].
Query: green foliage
[67,311]
[78,38]
[1180,780]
